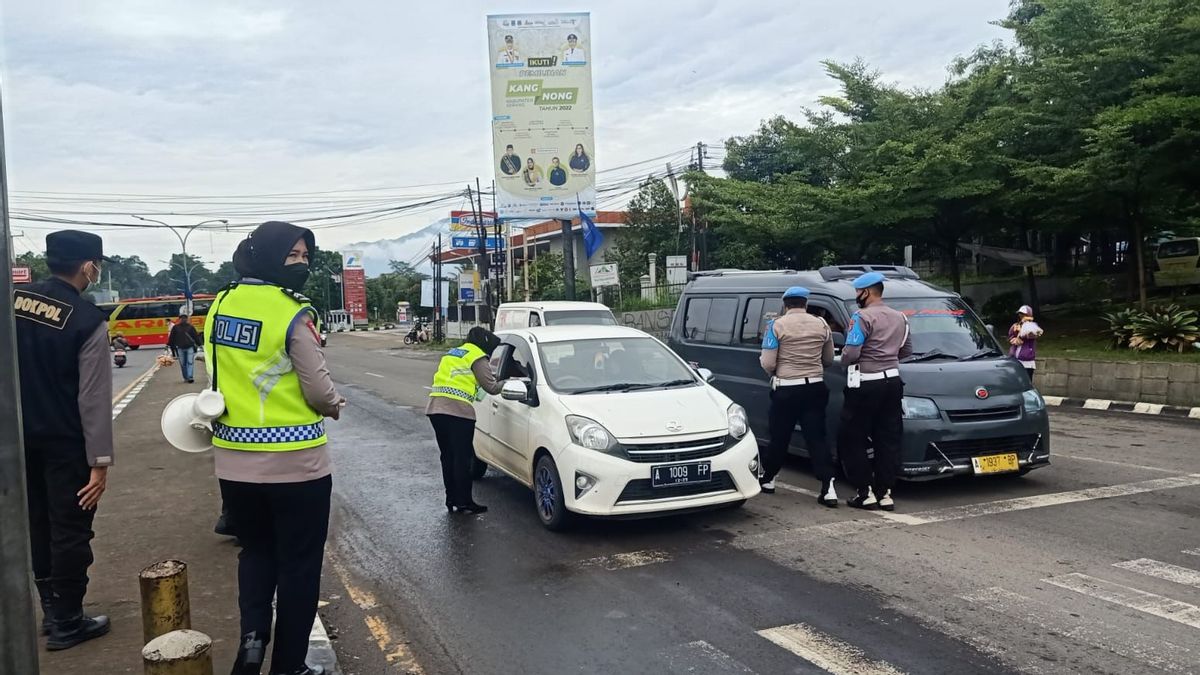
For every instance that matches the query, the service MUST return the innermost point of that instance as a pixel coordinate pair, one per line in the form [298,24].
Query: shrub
[1001,310]
[1120,326]
[1165,327]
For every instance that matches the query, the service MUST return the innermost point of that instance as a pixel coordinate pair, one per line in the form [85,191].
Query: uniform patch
[231,331]
[458,352]
[41,309]
[856,337]
[770,340]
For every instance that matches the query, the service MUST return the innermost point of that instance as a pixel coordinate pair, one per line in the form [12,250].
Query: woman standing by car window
[461,379]
[270,452]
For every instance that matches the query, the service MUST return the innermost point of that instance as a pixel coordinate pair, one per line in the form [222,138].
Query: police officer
[878,339]
[66,411]
[796,348]
[264,356]
[462,378]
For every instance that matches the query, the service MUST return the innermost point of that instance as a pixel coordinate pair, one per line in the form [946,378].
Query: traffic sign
[605,275]
[22,275]
[473,242]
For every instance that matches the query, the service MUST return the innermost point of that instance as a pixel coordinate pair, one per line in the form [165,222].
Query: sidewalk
[160,504]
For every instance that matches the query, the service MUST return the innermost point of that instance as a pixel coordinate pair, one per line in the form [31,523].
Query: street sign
[473,242]
[22,275]
[605,275]
[677,270]
[468,284]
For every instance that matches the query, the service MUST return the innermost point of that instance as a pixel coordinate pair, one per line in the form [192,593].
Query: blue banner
[473,242]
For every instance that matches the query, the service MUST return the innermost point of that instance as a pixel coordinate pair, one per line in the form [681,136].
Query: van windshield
[580,317]
[943,325]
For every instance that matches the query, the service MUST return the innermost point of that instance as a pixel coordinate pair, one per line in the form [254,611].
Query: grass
[1084,336]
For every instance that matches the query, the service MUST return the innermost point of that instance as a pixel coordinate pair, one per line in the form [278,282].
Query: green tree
[651,226]
[36,262]
[547,281]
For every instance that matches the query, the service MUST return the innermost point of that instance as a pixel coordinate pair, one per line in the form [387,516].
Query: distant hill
[414,248]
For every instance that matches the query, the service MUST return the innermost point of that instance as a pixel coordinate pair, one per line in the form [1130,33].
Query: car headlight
[738,424]
[916,408]
[1033,401]
[590,434]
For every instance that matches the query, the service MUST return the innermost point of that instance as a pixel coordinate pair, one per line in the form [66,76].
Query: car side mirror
[839,340]
[706,374]
[514,390]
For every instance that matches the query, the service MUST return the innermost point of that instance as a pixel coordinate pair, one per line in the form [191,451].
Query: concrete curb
[320,649]
[1124,407]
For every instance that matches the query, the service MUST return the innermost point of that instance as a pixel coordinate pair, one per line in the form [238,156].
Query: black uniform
[53,324]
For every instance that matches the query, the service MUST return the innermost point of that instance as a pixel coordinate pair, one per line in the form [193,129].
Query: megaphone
[187,420]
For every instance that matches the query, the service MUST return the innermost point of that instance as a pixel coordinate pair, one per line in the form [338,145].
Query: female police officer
[265,357]
[462,376]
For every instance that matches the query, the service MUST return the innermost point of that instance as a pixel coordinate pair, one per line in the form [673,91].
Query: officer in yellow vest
[264,356]
[463,377]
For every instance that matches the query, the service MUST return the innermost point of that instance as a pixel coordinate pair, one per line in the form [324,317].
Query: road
[136,364]
[1089,566]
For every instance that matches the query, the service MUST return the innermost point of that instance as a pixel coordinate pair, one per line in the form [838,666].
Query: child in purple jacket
[1023,336]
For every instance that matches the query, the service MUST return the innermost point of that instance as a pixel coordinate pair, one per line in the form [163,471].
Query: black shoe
[865,499]
[66,633]
[46,595]
[191,382]
[768,486]
[252,651]
[471,508]
[222,527]
[885,501]
[303,670]
[828,496]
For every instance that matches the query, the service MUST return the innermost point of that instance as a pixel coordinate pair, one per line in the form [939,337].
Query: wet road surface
[1091,565]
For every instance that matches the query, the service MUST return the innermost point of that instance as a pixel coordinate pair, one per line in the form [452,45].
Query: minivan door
[744,379]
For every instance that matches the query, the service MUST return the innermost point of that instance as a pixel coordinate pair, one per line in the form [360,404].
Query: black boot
[74,629]
[251,654]
[222,528]
[46,594]
[303,670]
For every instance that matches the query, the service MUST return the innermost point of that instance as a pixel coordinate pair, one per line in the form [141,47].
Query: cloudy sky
[220,98]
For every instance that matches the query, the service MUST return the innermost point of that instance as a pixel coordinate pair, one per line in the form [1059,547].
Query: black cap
[74,246]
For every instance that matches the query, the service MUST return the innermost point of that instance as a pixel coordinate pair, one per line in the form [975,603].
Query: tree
[546,278]
[652,226]
[386,290]
[130,276]
[36,262]
[322,289]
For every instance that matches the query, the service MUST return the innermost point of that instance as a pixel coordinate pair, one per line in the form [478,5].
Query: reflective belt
[293,434]
[890,372]
[456,393]
[799,380]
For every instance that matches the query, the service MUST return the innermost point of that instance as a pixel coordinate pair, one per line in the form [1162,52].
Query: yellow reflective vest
[245,340]
[454,378]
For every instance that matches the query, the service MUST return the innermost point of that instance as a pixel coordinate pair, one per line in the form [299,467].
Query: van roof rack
[729,272]
[836,272]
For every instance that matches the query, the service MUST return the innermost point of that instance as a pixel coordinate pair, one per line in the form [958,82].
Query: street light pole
[187,273]
[18,639]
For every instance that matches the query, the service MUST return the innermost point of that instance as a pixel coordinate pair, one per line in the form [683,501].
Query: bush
[1001,310]
[1165,327]
[1120,326]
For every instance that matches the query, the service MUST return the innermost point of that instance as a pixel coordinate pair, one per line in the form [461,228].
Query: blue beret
[869,279]
[796,292]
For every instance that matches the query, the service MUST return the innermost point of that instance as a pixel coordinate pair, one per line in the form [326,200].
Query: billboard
[354,286]
[22,275]
[467,221]
[543,146]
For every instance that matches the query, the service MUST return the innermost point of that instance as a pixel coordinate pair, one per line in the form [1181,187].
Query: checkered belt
[304,432]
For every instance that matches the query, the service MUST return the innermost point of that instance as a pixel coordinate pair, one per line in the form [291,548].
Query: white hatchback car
[607,421]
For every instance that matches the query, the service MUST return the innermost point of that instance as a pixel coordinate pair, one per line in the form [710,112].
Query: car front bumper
[622,487]
[934,450]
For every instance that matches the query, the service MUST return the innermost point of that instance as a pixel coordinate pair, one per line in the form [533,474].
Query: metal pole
[525,259]
[568,260]
[18,636]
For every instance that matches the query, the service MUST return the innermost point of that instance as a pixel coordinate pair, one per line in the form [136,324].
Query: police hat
[74,246]
[868,280]
[796,292]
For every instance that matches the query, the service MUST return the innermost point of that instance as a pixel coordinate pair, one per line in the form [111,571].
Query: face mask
[861,299]
[295,276]
[91,281]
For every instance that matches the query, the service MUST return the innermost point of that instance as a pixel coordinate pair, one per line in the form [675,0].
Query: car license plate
[995,463]
[665,475]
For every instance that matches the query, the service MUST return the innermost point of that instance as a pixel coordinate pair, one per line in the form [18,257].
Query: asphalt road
[136,364]
[1091,565]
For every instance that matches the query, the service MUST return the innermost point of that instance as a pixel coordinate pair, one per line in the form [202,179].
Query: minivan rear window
[580,317]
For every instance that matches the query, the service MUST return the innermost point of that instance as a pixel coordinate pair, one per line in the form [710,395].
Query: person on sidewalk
[66,415]
[795,350]
[264,355]
[878,339]
[183,341]
[1023,336]
[462,377]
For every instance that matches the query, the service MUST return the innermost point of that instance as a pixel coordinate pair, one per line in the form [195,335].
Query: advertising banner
[542,128]
[468,286]
[427,294]
[354,286]
[466,221]
[22,275]
[473,242]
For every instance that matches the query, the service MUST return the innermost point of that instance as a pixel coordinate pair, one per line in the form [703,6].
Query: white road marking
[1096,404]
[374,375]
[133,390]
[1053,400]
[1162,570]
[793,488]
[826,652]
[1155,652]
[1193,551]
[1150,603]
[1194,414]
[888,515]
[1143,467]
[621,561]
[702,657]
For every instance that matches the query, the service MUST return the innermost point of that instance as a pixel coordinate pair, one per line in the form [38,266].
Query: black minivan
[968,407]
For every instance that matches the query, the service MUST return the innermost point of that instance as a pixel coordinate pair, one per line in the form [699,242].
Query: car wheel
[548,495]
[478,469]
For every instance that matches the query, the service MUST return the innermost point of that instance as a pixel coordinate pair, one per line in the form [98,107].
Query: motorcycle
[119,358]
[417,334]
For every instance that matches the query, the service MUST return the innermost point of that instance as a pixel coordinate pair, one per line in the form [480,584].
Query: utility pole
[18,639]
[492,289]
[187,273]
[700,148]
[481,257]
[568,259]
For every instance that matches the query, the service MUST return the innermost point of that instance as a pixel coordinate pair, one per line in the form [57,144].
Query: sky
[221,98]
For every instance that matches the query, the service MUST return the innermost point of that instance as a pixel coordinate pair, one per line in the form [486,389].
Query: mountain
[413,248]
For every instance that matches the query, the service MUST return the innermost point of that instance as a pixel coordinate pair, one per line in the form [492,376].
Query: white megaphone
[187,420]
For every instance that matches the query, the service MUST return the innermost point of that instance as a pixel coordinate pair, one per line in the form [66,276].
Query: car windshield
[944,326]
[620,364]
[1183,248]
[580,317]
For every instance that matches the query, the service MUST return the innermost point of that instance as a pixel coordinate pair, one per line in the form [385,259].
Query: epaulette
[296,295]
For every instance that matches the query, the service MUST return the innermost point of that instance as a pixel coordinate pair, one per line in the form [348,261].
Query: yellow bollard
[165,603]
[180,652]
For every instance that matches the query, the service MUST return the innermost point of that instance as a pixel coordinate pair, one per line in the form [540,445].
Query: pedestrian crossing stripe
[1132,598]
[1162,570]
[825,651]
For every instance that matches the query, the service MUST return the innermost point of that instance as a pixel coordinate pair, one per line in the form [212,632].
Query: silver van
[964,398]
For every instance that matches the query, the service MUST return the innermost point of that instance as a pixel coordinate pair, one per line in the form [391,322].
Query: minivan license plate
[665,475]
[995,463]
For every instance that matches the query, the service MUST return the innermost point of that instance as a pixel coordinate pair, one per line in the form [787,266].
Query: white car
[607,421]
[512,315]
